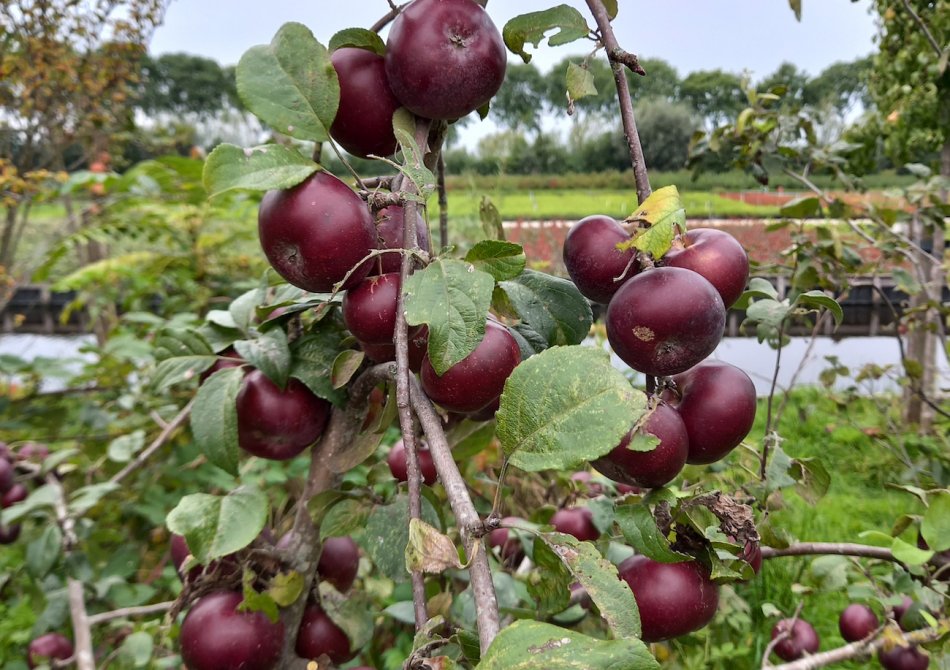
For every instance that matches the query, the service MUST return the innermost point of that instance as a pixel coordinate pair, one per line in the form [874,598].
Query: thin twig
[767,441]
[141,610]
[862,649]
[82,634]
[783,635]
[623,96]
[836,548]
[403,402]
[443,202]
[387,19]
[167,431]
[470,525]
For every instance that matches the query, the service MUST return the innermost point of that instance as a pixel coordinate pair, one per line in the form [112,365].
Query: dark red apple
[48,647]
[316,232]
[228,358]
[319,635]
[339,562]
[7,475]
[649,469]
[802,638]
[576,521]
[216,636]
[399,467]
[479,378]
[717,256]
[369,308]
[665,320]
[9,534]
[585,483]
[752,554]
[592,259]
[507,543]
[389,227]
[32,451]
[673,598]
[857,622]
[898,611]
[17,493]
[364,119]
[904,658]
[278,424]
[486,413]
[444,58]
[384,353]
[717,405]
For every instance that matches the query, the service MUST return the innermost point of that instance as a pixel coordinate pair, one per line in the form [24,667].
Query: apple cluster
[663,321]
[217,632]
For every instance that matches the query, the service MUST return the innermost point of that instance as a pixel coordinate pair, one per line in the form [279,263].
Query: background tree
[716,95]
[842,85]
[521,101]
[792,78]
[67,72]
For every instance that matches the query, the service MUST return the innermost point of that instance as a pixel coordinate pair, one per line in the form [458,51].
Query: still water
[802,359]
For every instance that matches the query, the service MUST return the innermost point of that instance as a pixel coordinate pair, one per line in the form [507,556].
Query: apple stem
[619,59]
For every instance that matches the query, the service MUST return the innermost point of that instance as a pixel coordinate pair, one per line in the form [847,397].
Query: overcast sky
[734,35]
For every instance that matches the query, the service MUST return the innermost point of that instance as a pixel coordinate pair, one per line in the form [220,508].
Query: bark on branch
[836,548]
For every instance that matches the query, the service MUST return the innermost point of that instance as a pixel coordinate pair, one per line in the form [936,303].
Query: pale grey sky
[734,35]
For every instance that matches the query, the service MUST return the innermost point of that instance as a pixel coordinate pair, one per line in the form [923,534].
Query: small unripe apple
[592,259]
[665,320]
[278,424]
[576,521]
[48,647]
[314,233]
[802,638]
[364,118]
[339,562]
[319,635]
[479,378]
[655,468]
[717,256]
[399,465]
[673,598]
[857,622]
[444,58]
[215,635]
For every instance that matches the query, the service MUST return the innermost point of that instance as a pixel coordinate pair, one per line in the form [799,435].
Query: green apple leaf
[387,534]
[344,518]
[313,358]
[640,532]
[908,553]
[360,38]
[533,26]
[819,300]
[290,84]
[579,81]
[663,211]
[551,309]
[550,584]
[345,366]
[502,260]
[453,298]
[270,166]
[214,418]
[599,577]
[173,371]
[533,645]
[936,524]
[801,208]
[174,342]
[430,551]
[564,406]
[269,353]
[215,526]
